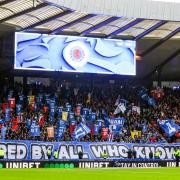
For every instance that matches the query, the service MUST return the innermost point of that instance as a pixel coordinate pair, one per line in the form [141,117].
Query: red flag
[72,128]
[41,120]
[105,133]
[12,103]
[15,125]
[4,106]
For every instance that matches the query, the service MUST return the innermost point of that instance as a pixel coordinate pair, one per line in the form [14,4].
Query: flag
[105,133]
[96,129]
[50,132]
[68,107]
[117,101]
[28,123]
[169,126]
[80,131]
[110,137]
[100,122]
[85,111]
[64,116]
[15,125]
[115,124]
[31,99]
[120,108]
[136,109]
[52,113]
[4,107]
[151,101]
[11,102]
[135,133]
[7,114]
[3,132]
[83,119]
[60,129]
[92,116]
[18,109]
[35,129]
[41,120]
[60,109]
[71,119]
[21,98]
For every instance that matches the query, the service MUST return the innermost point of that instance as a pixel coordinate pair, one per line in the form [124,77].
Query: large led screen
[74,54]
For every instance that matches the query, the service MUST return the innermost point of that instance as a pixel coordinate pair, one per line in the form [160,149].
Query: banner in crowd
[169,127]
[36,150]
[80,131]
[50,132]
[135,133]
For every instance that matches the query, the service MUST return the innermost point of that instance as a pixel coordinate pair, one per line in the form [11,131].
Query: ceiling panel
[139,28]
[14,7]
[84,25]
[164,30]
[59,22]
[108,29]
[35,16]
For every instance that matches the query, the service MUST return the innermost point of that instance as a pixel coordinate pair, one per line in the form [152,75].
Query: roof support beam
[5,2]
[23,12]
[56,31]
[157,25]
[47,20]
[104,23]
[125,27]
[160,42]
[160,66]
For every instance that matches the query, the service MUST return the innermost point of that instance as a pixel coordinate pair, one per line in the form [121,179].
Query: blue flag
[80,131]
[116,123]
[83,119]
[85,111]
[60,129]
[3,132]
[72,119]
[151,101]
[169,127]
[18,109]
[100,122]
[96,129]
[92,116]
[60,110]
[21,98]
[28,123]
[35,129]
[7,114]
[68,107]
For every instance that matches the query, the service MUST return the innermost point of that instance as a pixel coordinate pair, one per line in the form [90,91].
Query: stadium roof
[158,41]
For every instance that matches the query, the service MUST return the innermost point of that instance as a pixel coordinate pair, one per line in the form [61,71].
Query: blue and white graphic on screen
[74,54]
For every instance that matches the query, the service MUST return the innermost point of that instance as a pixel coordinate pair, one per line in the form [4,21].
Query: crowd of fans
[98,99]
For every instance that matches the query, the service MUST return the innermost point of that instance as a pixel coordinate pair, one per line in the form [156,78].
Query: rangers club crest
[76,54]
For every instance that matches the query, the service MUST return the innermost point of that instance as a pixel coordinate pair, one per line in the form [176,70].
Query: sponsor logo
[22,164]
[136,164]
[94,164]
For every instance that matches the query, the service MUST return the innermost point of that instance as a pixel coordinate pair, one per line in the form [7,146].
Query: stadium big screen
[74,54]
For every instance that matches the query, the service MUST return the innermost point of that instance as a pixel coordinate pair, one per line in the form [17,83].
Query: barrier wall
[33,150]
[87,164]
